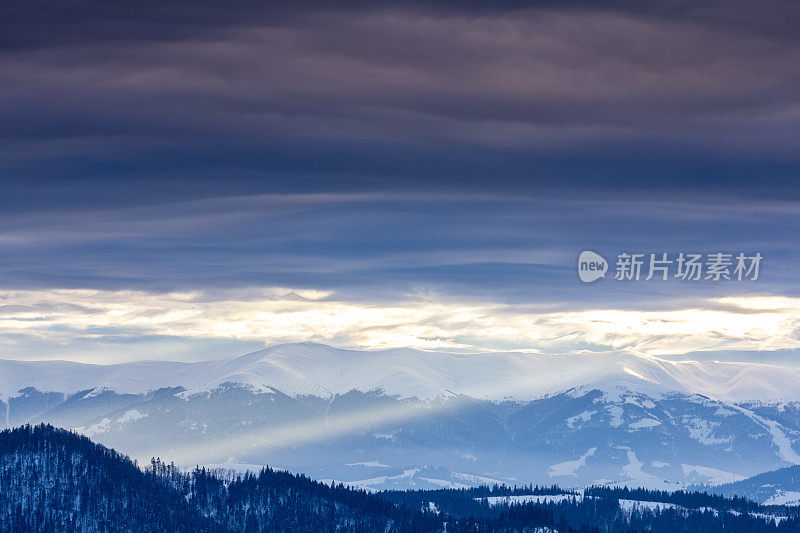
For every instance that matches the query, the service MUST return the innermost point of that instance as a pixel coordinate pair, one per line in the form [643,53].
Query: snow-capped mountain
[315,369]
[406,418]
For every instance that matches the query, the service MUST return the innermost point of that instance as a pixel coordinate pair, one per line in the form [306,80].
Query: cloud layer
[275,315]
[397,96]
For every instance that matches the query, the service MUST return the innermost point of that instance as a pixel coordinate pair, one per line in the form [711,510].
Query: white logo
[664,266]
[591,266]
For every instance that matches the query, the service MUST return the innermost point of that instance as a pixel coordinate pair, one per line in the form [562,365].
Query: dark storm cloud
[37,23]
[302,97]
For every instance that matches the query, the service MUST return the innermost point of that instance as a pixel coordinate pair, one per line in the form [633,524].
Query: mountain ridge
[321,370]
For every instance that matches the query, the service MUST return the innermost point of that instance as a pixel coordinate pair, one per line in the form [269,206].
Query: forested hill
[53,480]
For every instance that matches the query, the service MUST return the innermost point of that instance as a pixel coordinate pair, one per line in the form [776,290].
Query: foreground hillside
[55,480]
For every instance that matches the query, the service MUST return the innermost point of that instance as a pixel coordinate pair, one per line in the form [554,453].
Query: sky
[190,180]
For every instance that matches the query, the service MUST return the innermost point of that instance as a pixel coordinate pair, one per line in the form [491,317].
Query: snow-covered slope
[778,487]
[322,371]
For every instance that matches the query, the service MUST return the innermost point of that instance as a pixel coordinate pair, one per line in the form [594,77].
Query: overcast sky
[187,180]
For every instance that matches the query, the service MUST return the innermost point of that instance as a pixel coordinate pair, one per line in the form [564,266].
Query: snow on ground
[531,498]
[784,497]
[130,416]
[371,483]
[615,412]
[575,421]
[628,506]
[633,470]
[769,517]
[702,430]
[444,483]
[644,423]
[479,479]
[374,464]
[95,429]
[570,468]
[97,391]
[712,476]
[779,438]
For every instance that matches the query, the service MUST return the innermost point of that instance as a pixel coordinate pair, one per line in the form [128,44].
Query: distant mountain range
[52,480]
[323,371]
[778,487]
[413,419]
